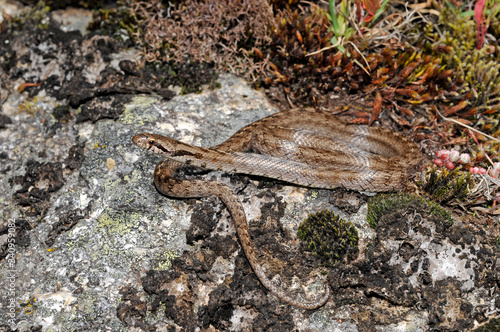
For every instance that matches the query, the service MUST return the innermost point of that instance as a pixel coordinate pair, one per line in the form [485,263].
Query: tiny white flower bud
[453,156]
[464,158]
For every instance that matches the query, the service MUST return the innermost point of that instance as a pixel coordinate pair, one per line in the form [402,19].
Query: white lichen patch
[365,232]
[327,321]
[445,261]
[222,268]
[56,300]
[179,287]
[242,319]
[441,259]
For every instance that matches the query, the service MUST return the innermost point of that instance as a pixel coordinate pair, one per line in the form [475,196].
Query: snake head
[156,143]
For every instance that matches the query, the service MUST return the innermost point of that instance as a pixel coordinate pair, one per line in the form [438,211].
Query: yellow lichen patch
[165,259]
[29,106]
[119,224]
[96,145]
[29,306]
[134,111]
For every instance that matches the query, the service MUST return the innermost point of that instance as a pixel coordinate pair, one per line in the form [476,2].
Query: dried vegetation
[220,33]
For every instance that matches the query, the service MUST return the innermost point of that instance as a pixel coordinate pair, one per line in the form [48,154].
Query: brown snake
[306,147]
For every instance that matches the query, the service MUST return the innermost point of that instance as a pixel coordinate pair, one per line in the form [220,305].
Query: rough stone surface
[87,243]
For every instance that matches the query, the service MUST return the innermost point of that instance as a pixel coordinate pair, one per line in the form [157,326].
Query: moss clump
[383,204]
[29,18]
[117,22]
[329,236]
[444,185]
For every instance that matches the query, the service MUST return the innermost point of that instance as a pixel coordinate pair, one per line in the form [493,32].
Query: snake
[306,147]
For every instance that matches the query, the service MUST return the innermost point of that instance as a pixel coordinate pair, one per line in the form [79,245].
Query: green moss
[383,204]
[35,17]
[329,236]
[62,112]
[117,22]
[444,185]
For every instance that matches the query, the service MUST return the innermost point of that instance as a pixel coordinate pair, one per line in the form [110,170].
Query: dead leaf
[377,108]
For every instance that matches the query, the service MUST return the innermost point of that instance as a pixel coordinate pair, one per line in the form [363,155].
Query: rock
[87,243]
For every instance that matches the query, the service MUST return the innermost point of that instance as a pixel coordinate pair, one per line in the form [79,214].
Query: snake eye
[151,141]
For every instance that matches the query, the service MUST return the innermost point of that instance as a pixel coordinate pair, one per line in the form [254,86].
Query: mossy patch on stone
[332,238]
[385,203]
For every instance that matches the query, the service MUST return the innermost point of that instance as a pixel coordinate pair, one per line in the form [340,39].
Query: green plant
[340,25]
[329,236]
[385,203]
[344,28]
[445,185]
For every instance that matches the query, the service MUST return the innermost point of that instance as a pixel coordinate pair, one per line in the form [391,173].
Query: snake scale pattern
[306,147]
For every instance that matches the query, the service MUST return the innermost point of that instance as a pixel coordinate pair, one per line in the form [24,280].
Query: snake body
[306,147]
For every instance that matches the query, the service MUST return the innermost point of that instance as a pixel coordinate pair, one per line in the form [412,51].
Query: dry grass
[223,33]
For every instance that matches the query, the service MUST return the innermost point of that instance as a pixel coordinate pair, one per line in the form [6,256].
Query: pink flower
[495,170]
[453,156]
[438,162]
[449,165]
[464,158]
[443,154]
[477,170]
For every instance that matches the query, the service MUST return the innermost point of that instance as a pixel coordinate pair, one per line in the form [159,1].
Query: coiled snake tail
[170,186]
